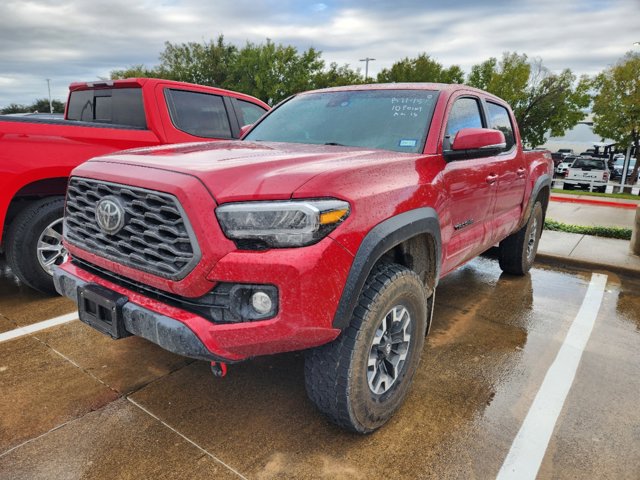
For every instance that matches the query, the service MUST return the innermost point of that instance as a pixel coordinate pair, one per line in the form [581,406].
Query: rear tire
[360,379]
[34,243]
[567,187]
[518,251]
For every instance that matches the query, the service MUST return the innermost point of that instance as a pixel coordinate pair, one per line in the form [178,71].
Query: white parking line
[36,327]
[527,451]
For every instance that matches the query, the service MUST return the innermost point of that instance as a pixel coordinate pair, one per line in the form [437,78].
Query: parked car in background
[618,167]
[587,173]
[564,165]
[565,152]
[557,158]
[326,229]
[37,154]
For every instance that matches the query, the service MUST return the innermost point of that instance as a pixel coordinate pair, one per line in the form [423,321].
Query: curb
[550,259]
[601,203]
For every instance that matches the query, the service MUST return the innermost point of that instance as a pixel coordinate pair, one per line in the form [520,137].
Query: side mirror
[244,129]
[476,143]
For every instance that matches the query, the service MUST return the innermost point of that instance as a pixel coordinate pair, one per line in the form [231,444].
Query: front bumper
[166,332]
[309,281]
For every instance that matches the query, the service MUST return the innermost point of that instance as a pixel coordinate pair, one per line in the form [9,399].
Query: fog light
[261,303]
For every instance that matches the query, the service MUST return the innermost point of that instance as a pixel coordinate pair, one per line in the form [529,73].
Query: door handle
[521,172]
[491,179]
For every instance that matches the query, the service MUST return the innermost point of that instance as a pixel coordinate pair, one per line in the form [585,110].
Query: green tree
[616,106]
[423,68]
[273,72]
[204,63]
[542,102]
[267,71]
[336,76]
[41,105]
[135,71]
[15,108]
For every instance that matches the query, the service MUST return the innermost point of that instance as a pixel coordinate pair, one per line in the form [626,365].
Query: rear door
[511,171]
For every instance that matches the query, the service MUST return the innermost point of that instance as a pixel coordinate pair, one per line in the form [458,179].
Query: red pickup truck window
[500,120]
[249,112]
[119,106]
[384,119]
[199,114]
[465,113]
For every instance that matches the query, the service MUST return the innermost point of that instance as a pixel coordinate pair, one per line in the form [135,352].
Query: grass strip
[626,196]
[606,232]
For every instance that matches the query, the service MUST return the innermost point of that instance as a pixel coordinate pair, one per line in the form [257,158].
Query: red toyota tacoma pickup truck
[326,228]
[36,156]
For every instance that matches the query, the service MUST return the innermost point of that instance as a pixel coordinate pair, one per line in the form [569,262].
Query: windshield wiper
[336,144]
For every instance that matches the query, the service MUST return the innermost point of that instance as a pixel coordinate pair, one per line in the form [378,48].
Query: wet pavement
[75,404]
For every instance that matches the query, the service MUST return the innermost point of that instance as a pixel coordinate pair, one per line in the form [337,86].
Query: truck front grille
[156,236]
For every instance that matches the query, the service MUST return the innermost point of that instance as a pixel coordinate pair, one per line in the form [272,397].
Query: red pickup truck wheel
[34,243]
[518,251]
[359,380]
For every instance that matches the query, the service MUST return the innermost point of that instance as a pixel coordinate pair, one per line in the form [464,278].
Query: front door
[471,187]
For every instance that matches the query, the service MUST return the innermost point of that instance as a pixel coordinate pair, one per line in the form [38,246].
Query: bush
[607,232]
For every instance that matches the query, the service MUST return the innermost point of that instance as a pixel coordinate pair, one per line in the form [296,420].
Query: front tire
[34,243]
[518,251]
[360,379]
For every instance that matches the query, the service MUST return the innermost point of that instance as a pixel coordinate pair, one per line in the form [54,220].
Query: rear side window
[200,114]
[465,113]
[499,119]
[117,106]
[249,112]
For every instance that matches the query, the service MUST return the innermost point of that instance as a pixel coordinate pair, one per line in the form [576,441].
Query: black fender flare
[541,182]
[380,239]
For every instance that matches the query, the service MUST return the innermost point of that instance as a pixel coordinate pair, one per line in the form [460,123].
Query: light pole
[49,88]
[366,66]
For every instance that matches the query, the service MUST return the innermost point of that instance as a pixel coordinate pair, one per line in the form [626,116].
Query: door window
[465,113]
[249,112]
[199,114]
[499,119]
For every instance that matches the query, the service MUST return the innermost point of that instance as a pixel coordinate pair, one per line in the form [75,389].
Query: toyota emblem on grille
[110,215]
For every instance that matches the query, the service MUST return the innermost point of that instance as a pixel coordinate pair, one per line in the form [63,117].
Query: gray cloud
[70,40]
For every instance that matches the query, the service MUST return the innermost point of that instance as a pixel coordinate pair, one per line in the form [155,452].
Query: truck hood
[240,170]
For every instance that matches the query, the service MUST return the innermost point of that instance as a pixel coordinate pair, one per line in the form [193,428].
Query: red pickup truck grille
[154,237]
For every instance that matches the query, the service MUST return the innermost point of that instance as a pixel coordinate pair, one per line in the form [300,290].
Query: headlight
[256,225]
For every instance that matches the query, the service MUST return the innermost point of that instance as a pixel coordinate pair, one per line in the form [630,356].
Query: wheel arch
[541,191]
[45,187]
[411,239]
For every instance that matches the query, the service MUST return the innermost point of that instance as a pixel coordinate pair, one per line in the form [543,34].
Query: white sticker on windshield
[407,142]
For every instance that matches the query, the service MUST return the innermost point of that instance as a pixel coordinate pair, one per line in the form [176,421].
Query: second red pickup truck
[37,155]
[327,228]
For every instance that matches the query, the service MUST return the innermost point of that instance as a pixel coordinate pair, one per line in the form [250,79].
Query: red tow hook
[219,369]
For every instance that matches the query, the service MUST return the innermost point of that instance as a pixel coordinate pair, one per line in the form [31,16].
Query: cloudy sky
[70,40]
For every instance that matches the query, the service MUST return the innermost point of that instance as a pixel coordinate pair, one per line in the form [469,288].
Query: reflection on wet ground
[493,338]
[21,305]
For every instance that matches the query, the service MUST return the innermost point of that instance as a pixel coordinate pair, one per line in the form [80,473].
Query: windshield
[395,120]
[589,163]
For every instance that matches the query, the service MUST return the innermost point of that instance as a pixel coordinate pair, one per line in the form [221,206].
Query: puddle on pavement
[493,337]
[492,340]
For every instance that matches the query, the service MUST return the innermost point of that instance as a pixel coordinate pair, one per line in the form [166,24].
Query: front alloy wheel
[389,350]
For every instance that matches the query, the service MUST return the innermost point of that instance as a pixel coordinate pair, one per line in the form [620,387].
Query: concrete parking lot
[75,404]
